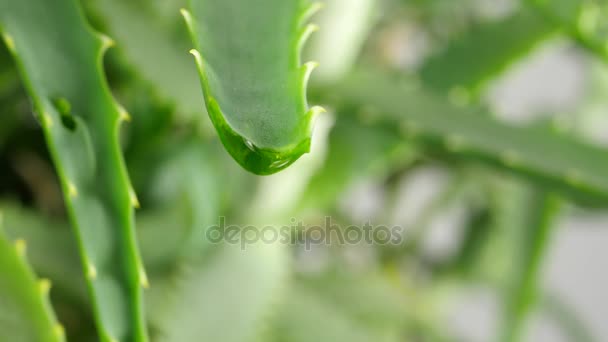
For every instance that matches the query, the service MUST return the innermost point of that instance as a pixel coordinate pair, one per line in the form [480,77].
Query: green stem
[522,297]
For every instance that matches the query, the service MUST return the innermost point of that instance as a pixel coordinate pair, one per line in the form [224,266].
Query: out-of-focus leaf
[475,237]
[582,20]
[190,182]
[226,295]
[523,288]
[345,26]
[25,310]
[483,52]
[554,160]
[154,53]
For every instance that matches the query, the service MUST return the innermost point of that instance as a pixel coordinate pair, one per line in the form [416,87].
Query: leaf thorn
[20,247]
[59,331]
[72,190]
[91,271]
[45,286]
[134,200]
[9,41]
[143,278]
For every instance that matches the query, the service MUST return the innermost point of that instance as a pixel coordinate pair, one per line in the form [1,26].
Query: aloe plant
[199,98]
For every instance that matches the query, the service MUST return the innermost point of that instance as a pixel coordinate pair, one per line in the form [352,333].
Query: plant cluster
[119,153]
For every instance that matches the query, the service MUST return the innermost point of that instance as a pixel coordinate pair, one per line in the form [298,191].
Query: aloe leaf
[25,310]
[582,20]
[248,56]
[52,250]
[223,297]
[59,58]
[463,67]
[346,25]
[157,56]
[522,297]
[557,161]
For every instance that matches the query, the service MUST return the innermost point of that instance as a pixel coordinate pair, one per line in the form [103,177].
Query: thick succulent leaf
[582,20]
[225,296]
[478,232]
[154,53]
[557,161]
[52,249]
[59,59]
[483,52]
[25,310]
[187,182]
[248,55]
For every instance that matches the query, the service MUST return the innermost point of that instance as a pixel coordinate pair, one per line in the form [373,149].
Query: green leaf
[59,58]
[346,25]
[153,52]
[542,210]
[52,250]
[484,52]
[25,310]
[248,55]
[224,296]
[557,161]
[582,20]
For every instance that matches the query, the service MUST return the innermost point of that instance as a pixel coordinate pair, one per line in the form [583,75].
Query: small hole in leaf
[68,122]
[64,108]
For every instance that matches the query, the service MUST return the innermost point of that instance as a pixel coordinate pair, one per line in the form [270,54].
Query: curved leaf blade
[25,310]
[558,162]
[139,34]
[59,58]
[248,56]
[493,47]
[581,20]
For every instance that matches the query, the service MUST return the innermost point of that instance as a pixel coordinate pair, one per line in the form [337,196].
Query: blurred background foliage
[422,132]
